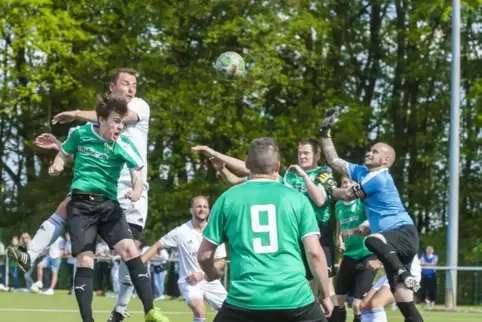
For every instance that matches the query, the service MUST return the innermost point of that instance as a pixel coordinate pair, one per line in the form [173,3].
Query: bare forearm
[236,165]
[87,116]
[230,178]
[136,179]
[343,194]
[219,263]
[315,193]
[319,269]
[338,164]
[151,252]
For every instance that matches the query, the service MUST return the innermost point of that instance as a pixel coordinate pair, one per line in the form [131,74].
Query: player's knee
[373,242]
[197,307]
[126,249]
[356,305]
[85,259]
[341,300]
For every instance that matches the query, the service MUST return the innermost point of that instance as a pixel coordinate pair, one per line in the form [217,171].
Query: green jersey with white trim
[264,223]
[351,215]
[293,180]
[97,162]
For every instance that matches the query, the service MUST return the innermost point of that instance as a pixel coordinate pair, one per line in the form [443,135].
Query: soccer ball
[230,65]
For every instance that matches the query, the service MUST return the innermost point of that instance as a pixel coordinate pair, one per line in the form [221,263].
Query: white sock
[46,235]
[199,320]
[374,315]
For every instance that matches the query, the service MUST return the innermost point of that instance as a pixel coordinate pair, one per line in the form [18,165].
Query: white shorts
[415,270]
[135,212]
[213,292]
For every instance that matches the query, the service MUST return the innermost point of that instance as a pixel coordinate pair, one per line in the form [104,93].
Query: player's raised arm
[136,179]
[236,165]
[338,164]
[58,165]
[316,193]
[228,177]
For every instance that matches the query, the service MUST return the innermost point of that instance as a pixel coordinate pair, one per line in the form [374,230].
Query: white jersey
[56,250]
[187,240]
[137,132]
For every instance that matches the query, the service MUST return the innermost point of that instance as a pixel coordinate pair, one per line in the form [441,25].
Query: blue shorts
[52,263]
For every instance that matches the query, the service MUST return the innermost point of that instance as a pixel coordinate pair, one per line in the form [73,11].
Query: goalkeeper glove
[327,181]
[331,116]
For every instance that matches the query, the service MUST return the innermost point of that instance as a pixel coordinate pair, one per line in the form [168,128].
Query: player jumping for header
[394,237]
[100,152]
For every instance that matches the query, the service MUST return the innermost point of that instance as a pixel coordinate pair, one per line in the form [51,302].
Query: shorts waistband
[87,196]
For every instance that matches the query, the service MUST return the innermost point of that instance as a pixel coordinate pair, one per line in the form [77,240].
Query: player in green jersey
[302,177]
[100,152]
[355,277]
[264,223]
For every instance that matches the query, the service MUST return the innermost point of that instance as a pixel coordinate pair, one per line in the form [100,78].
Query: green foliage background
[387,61]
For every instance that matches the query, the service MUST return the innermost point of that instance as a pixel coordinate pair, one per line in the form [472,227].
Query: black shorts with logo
[92,215]
[405,241]
[309,313]
[328,246]
[354,277]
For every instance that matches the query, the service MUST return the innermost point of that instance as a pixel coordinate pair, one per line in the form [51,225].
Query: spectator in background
[428,261]
[52,261]
[25,240]
[159,272]
[13,267]
[70,261]
[2,263]
[102,267]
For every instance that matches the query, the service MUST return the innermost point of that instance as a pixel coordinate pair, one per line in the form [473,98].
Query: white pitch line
[77,311]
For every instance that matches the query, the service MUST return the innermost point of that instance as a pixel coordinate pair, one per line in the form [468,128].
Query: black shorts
[89,215]
[309,313]
[136,231]
[354,278]
[326,241]
[405,241]
[328,245]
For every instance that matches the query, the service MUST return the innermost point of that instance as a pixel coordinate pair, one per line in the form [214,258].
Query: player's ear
[246,163]
[111,87]
[277,168]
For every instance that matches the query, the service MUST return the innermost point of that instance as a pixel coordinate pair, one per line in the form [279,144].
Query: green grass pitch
[24,307]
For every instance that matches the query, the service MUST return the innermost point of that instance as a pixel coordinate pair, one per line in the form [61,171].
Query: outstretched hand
[332,115]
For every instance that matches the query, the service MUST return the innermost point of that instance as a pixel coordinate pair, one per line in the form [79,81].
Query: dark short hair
[263,156]
[130,71]
[110,102]
[315,145]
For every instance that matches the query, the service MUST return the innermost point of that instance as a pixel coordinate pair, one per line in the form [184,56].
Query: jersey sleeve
[130,154]
[356,171]
[72,142]
[307,220]
[170,240]
[214,231]
[373,184]
[141,108]
[220,252]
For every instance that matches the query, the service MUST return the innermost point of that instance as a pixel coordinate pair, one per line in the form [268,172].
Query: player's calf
[84,284]
[404,298]
[198,309]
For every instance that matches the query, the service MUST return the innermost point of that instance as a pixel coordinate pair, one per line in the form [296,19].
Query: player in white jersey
[380,295]
[187,239]
[136,129]
[52,261]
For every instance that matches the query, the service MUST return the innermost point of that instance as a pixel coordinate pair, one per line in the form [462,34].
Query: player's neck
[310,167]
[273,176]
[377,168]
[198,225]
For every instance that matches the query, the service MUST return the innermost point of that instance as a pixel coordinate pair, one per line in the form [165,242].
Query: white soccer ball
[230,65]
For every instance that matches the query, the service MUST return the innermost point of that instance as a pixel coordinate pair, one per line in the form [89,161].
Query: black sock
[334,314]
[357,318]
[84,288]
[387,256]
[342,314]
[142,283]
[409,311]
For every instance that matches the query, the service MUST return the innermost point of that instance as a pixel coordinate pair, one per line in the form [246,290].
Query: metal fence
[469,290]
